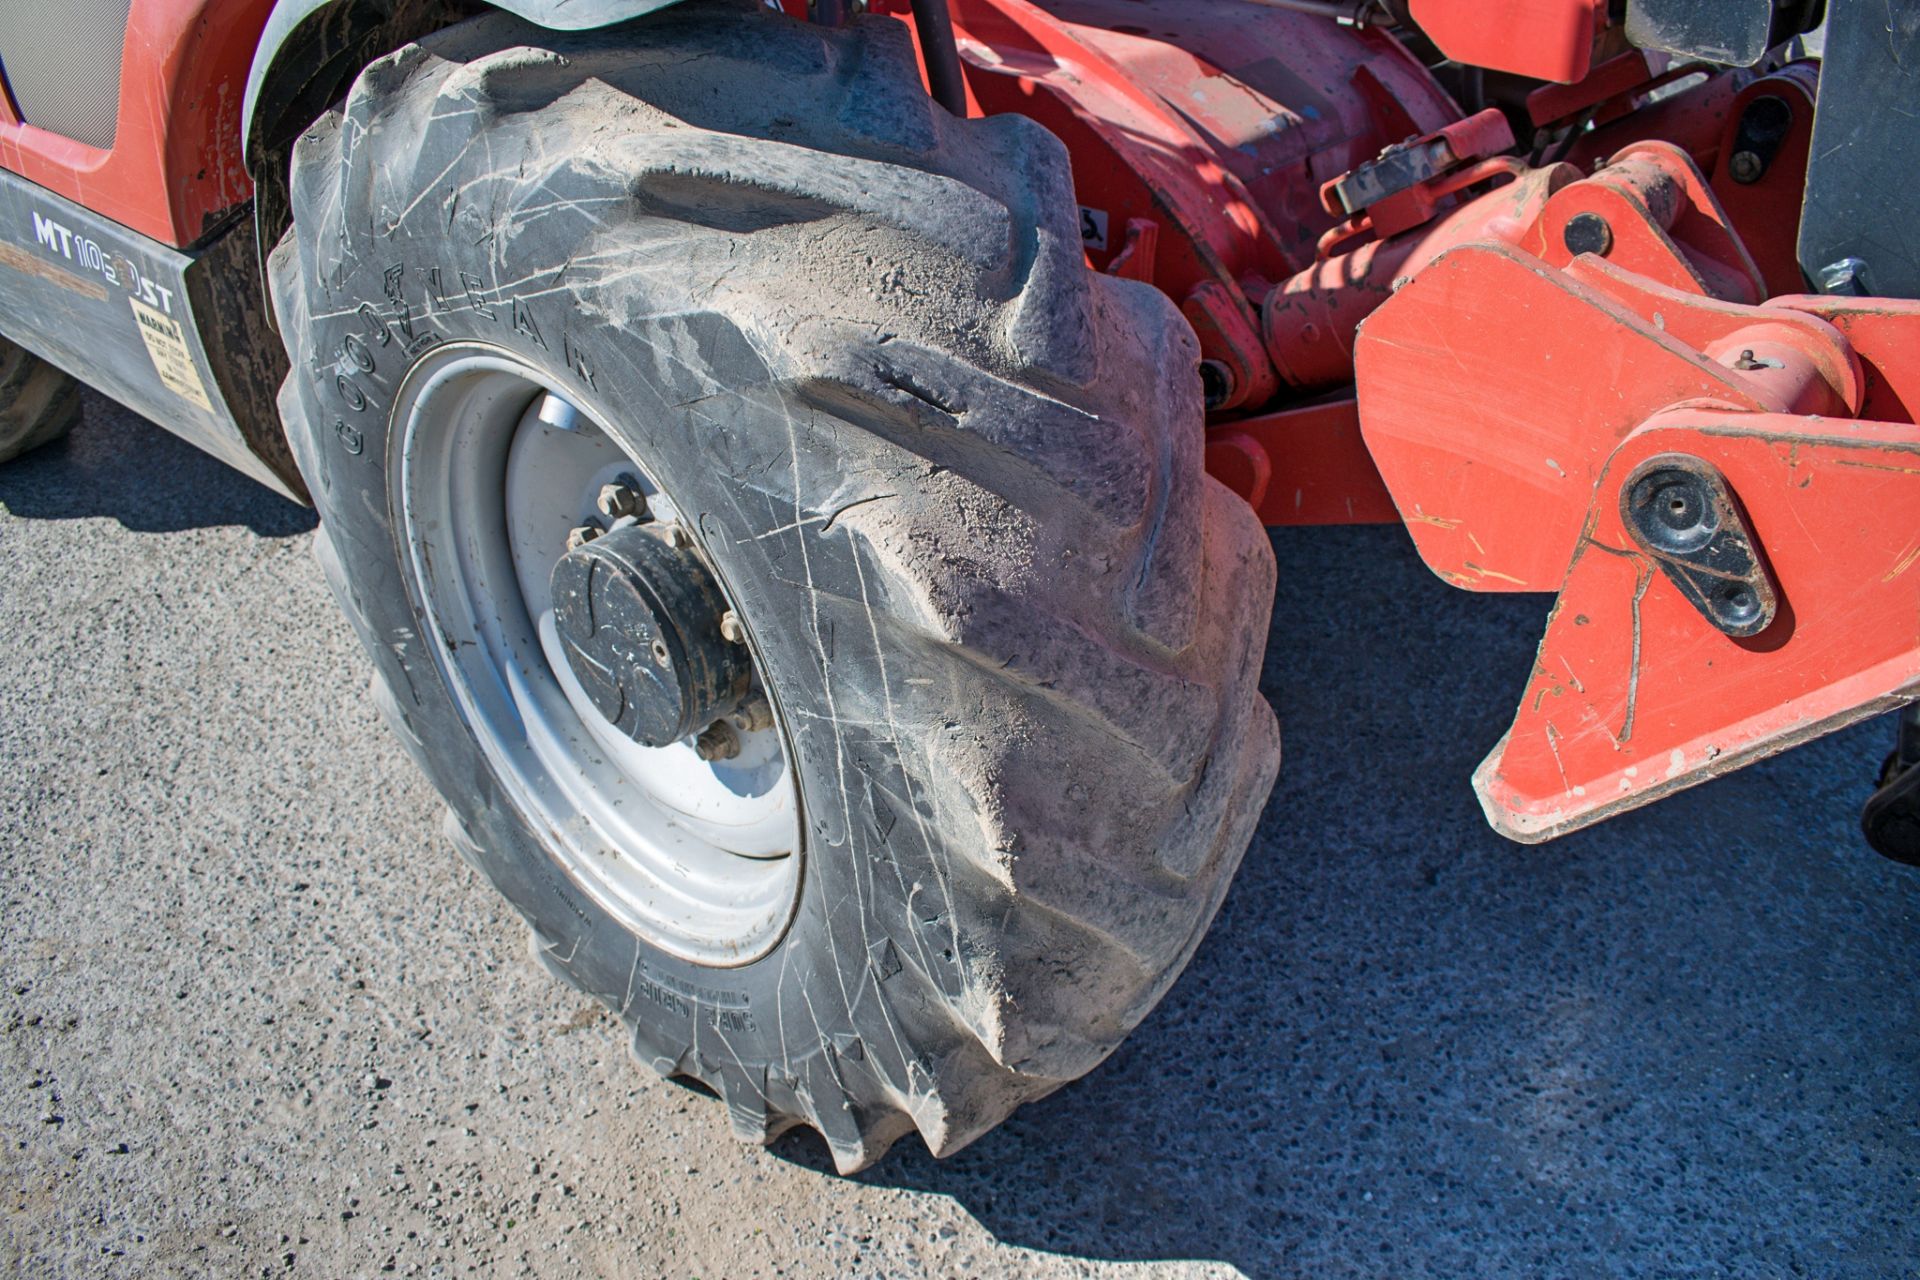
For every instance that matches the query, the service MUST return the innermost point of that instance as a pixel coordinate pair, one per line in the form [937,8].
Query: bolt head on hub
[621,498]
[718,741]
[752,715]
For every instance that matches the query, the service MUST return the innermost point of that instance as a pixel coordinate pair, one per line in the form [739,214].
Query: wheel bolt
[730,629]
[619,499]
[754,715]
[581,536]
[718,741]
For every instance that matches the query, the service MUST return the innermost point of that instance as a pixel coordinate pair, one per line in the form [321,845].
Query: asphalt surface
[259,1020]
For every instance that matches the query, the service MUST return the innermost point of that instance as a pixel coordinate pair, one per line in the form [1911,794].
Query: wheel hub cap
[639,619]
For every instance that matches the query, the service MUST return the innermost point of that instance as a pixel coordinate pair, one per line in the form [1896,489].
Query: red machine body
[1200,140]
[1523,339]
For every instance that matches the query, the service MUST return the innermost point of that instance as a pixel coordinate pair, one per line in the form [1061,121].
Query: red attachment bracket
[1760,171]
[1633,695]
[1512,406]
[1649,208]
[1494,387]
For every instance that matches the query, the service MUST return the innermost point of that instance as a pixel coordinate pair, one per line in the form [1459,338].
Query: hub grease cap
[639,619]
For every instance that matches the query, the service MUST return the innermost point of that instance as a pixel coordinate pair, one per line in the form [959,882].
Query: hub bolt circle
[639,622]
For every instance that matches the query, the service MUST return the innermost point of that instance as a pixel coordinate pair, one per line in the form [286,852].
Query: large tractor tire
[794,568]
[38,403]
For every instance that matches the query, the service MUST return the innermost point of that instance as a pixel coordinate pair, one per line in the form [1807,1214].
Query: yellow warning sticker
[172,358]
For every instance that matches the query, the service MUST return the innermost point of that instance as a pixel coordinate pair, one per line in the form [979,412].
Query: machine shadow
[118,465]
[1409,1047]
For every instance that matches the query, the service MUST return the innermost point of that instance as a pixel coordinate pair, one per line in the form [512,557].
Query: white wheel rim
[495,468]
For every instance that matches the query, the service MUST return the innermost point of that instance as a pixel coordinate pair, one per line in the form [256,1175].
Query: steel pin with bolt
[1587,233]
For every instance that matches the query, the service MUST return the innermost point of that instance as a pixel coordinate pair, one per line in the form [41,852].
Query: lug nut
[730,629]
[718,741]
[619,499]
[754,715]
[581,536]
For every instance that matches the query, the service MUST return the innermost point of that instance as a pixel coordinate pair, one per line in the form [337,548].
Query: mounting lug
[1680,511]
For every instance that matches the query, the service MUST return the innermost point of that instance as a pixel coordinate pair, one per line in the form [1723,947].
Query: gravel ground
[258,1019]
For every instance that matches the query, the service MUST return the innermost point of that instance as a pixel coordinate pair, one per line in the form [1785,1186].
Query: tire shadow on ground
[118,465]
[1682,1040]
